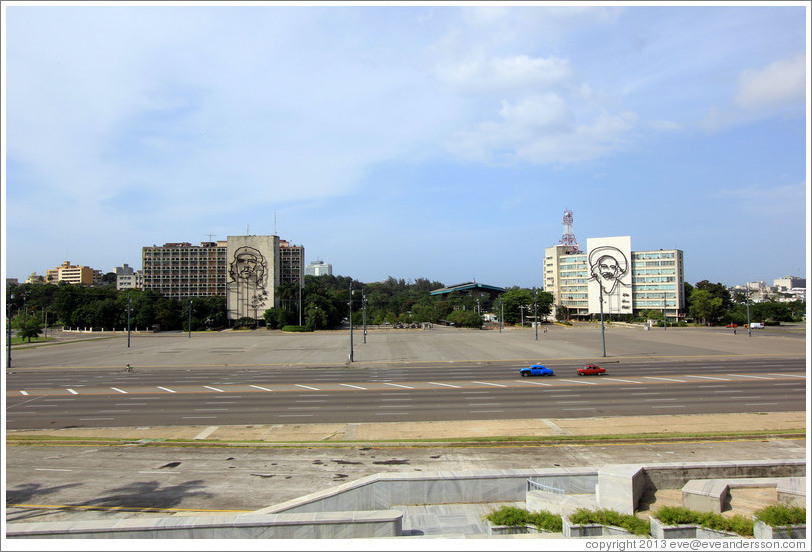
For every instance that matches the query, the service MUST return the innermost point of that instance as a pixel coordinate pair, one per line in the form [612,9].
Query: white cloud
[780,83]
[478,75]
[766,201]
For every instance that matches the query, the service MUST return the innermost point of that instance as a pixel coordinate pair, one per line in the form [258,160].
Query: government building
[244,269]
[611,278]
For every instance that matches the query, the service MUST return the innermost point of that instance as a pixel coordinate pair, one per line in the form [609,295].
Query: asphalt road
[428,391]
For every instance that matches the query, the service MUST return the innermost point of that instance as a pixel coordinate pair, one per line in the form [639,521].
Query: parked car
[536,370]
[591,370]
[732,325]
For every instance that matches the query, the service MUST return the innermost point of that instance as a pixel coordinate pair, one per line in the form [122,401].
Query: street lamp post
[190,318]
[350,304]
[501,315]
[603,337]
[8,327]
[129,308]
[536,312]
[364,313]
[747,295]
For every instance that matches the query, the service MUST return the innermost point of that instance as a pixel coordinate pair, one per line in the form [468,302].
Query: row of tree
[325,301]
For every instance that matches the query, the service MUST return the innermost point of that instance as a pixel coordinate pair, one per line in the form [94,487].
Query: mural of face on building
[248,265]
[608,265]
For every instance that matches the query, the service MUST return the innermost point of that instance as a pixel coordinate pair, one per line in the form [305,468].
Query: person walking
[128,369]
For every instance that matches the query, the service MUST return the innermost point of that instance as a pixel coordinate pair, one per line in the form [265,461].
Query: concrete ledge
[337,525]
[558,504]
[571,530]
[763,531]
[711,495]
[662,531]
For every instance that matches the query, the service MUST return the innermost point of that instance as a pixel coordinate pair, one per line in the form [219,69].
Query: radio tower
[568,238]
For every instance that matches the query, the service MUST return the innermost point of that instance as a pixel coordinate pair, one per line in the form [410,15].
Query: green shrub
[781,515]
[682,516]
[547,521]
[291,328]
[512,516]
[509,515]
[245,322]
[632,524]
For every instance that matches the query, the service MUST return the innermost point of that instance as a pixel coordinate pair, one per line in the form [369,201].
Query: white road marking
[398,385]
[488,383]
[211,409]
[94,419]
[669,406]
[119,390]
[746,376]
[24,392]
[483,411]
[581,408]
[444,384]
[198,417]
[294,415]
[50,469]
[664,379]
[788,375]
[72,391]
[214,389]
[259,387]
[578,381]
[761,404]
[353,386]
[658,400]
[166,389]
[708,377]
[307,387]
[391,413]
[206,432]
[571,402]
[623,380]
[729,391]
[403,399]
[112,411]
[535,383]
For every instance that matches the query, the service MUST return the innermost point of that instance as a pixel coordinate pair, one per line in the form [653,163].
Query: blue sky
[413,141]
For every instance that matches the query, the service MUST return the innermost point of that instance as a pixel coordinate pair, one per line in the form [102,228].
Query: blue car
[536,370]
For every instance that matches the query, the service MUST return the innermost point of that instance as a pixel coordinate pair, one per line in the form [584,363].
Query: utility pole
[747,294]
[501,315]
[190,318]
[8,327]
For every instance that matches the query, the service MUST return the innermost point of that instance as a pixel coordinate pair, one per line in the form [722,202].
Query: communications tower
[568,238]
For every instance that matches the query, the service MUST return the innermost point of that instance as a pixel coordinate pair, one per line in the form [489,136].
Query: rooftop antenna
[274,224]
[210,236]
[568,238]
[247,229]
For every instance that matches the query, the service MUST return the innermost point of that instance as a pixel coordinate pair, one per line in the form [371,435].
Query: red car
[591,370]
[732,325]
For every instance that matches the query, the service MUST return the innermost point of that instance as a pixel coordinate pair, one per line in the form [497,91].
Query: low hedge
[781,515]
[632,524]
[512,516]
[290,328]
[671,515]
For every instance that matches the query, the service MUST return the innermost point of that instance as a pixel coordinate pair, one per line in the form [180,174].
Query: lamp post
[747,295]
[8,327]
[129,308]
[364,313]
[350,304]
[501,315]
[665,320]
[536,312]
[190,319]
[603,337]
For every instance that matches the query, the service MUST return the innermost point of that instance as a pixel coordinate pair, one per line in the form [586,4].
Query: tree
[706,307]
[28,326]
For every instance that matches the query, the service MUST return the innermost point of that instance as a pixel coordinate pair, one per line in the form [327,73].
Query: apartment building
[73,274]
[291,262]
[183,270]
[611,278]
[128,278]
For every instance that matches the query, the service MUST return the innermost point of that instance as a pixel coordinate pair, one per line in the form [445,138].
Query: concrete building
[244,269]
[291,262]
[128,278]
[319,268]
[73,274]
[611,277]
[183,270]
[35,278]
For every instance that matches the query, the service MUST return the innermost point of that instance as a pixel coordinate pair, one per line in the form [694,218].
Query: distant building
[473,289]
[609,272]
[35,278]
[319,268]
[246,270]
[127,278]
[73,274]
[789,282]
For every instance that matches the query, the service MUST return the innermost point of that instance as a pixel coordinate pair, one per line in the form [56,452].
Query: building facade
[319,268]
[252,277]
[611,278]
[183,270]
[73,274]
[291,262]
[128,278]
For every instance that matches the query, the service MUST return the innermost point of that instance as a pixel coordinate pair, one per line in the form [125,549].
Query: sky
[412,140]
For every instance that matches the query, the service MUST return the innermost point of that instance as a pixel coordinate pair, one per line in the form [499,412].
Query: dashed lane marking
[399,385]
[489,383]
[119,390]
[708,377]
[72,392]
[746,376]
[353,386]
[664,379]
[260,388]
[307,387]
[167,389]
[534,383]
[443,384]
[214,389]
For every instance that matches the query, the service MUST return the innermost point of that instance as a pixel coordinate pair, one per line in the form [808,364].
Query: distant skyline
[413,141]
